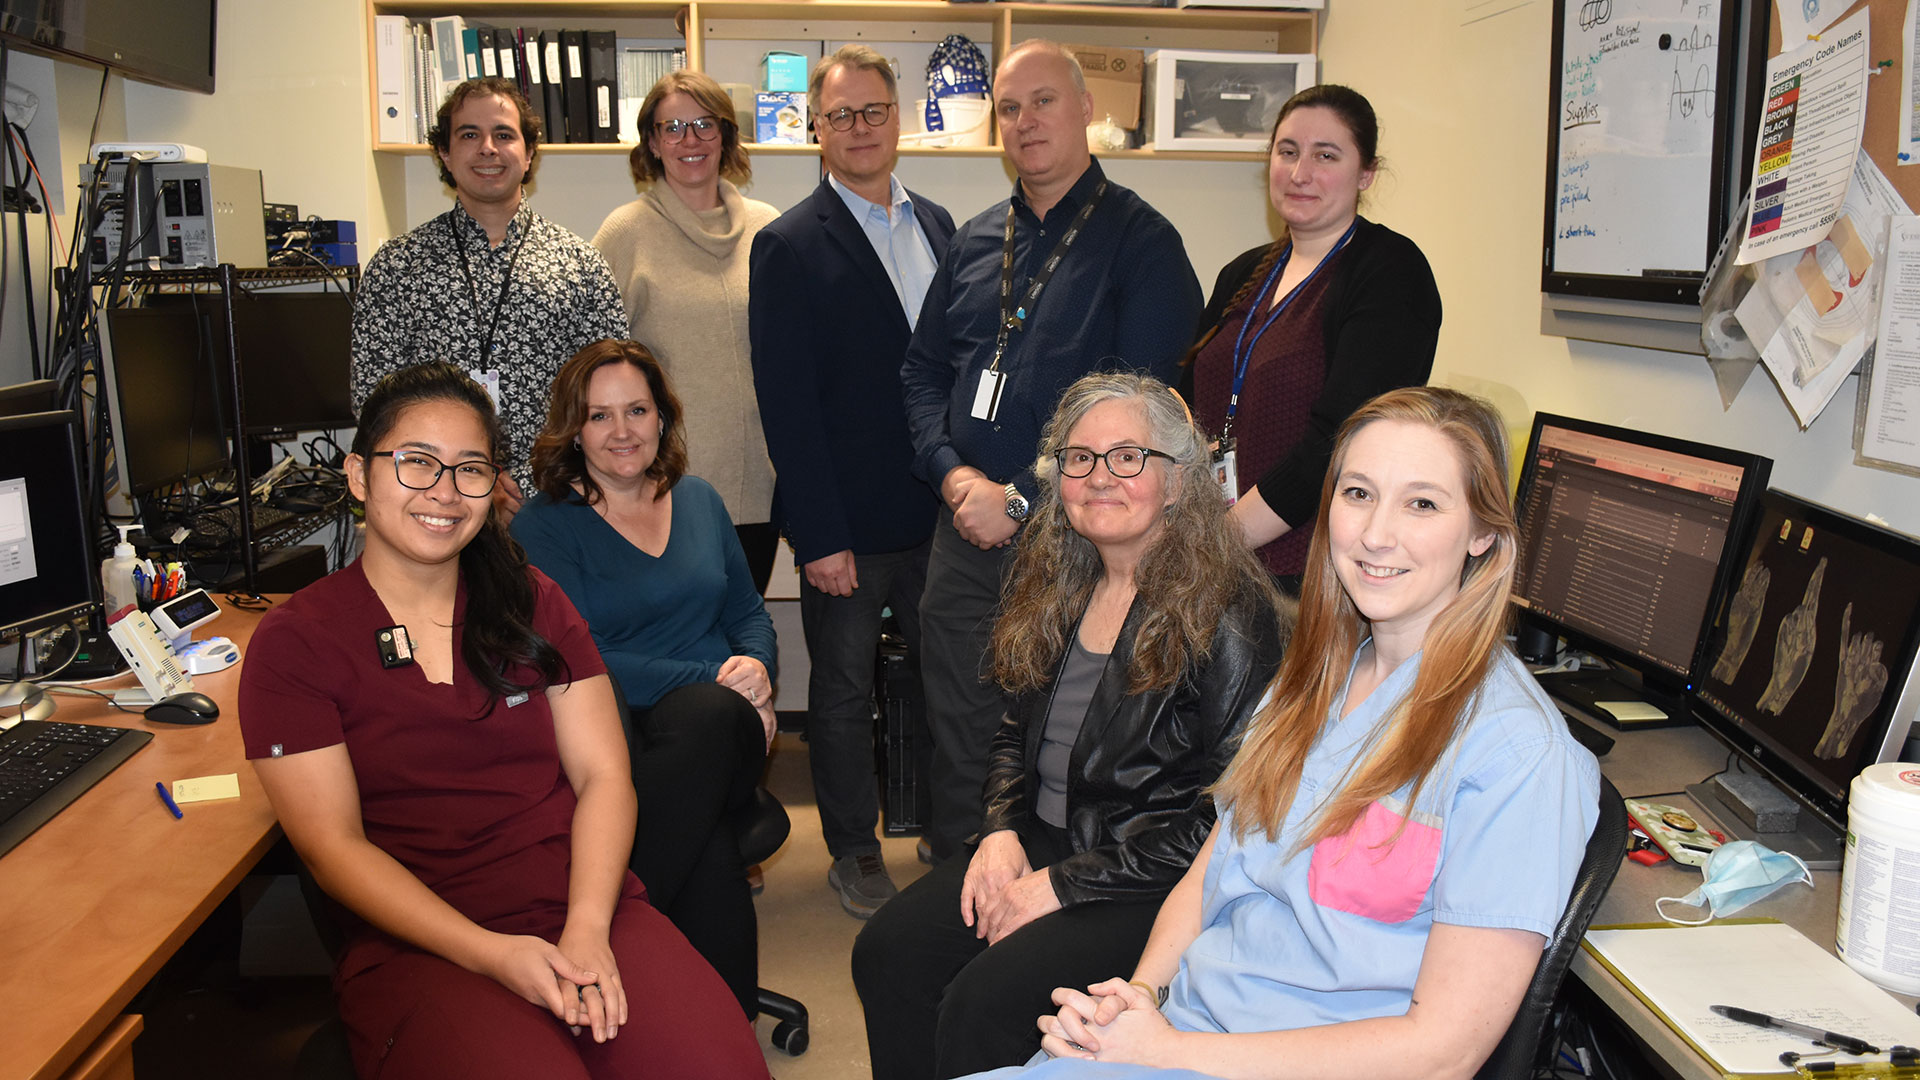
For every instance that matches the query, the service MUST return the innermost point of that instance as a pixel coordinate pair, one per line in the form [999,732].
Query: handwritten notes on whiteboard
[1635,171]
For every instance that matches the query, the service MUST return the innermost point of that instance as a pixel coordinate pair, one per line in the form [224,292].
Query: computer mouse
[187,708]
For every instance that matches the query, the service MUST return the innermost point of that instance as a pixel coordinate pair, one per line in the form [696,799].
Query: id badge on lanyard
[1226,469]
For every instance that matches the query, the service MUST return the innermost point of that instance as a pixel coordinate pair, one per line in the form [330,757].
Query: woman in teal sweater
[649,557]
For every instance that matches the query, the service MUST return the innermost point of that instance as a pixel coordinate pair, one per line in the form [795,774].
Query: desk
[93,903]
[1661,761]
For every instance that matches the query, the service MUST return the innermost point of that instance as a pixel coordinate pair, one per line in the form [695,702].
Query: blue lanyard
[1242,348]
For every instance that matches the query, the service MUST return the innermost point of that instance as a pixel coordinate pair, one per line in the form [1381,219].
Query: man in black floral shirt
[489,285]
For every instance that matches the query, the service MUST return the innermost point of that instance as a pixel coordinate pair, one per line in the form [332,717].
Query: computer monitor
[163,363]
[47,570]
[1624,550]
[1809,670]
[40,395]
[295,353]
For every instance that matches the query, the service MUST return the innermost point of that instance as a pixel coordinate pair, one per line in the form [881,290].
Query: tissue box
[780,119]
[783,72]
[1204,100]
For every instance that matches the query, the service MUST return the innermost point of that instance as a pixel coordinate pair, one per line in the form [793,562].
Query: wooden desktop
[96,901]
[1660,762]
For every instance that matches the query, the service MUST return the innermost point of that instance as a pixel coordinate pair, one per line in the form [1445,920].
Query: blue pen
[139,584]
[167,797]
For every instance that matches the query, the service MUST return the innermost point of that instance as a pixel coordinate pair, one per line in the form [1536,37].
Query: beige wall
[1463,114]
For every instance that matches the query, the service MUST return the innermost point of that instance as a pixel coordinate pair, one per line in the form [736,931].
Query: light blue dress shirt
[896,236]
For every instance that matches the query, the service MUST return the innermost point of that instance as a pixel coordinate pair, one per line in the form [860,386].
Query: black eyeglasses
[1122,461]
[705,128]
[420,471]
[874,113]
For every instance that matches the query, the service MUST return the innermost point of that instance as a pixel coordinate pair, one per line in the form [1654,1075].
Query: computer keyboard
[46,766]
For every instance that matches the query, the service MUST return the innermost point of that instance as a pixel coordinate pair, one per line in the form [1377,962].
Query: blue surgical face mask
[1737,875]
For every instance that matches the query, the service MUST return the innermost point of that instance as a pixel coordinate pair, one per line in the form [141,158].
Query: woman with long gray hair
[1136,634]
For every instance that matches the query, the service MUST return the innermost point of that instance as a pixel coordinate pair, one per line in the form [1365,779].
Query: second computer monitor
[167,419]
[46,560]
[1625,539]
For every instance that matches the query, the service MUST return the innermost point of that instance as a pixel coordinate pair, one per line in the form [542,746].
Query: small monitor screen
[46,564]
[40,395]
[164,362]
[1622,536]
[1810,654]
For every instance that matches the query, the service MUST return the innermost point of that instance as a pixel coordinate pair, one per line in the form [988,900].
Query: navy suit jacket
[828,336]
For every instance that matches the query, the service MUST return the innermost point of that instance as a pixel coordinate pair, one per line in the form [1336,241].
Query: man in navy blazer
[836,288]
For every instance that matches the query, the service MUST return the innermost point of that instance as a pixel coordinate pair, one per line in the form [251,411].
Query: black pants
[942,1003]
[697,756]
[761,543]
[842,634]
[957,614]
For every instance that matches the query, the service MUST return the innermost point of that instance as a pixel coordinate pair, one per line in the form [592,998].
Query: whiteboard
[1642,111]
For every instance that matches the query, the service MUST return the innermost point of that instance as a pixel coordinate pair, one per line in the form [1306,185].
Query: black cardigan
[1382,325]
[1137,802]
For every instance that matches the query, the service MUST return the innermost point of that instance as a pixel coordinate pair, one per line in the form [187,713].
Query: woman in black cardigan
[1335,312]
[1135,638]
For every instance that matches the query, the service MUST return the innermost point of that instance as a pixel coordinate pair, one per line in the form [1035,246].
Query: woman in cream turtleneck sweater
[679,253]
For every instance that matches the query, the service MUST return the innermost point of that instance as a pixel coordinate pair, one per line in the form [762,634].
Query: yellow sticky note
[206,788]
[1629,711]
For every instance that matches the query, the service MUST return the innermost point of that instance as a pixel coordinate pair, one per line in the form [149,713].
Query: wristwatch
[1017,506]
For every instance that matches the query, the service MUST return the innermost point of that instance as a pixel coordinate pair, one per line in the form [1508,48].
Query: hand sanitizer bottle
[116,574]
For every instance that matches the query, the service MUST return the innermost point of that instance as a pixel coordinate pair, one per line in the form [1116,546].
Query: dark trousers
[964,708]
[421,1017]
[942,1003]
[697,756]
[761,543]
[842,634]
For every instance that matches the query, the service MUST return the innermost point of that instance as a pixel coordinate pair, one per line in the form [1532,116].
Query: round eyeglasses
[874,113]
[1123,462]
[704,128]
[420,470]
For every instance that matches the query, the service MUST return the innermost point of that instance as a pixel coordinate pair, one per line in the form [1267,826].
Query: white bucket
[967,121]
[1879,930]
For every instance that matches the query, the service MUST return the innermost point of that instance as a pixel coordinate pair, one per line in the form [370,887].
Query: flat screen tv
[169,42]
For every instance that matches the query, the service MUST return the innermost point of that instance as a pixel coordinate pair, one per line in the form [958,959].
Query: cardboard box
[783,72]
[1114,80]
[1276,5]
[1203,100]
[780,119]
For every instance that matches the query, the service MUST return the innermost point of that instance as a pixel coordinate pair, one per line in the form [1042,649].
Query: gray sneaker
[862,882]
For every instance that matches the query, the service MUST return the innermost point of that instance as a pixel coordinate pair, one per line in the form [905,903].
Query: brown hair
[645,164]
[558,464]
[1194,569]
[441,134]
[858,57]
[1460,647]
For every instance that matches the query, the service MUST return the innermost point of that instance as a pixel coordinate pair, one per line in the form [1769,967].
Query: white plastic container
[1879,930]
[116,574]
[967,120]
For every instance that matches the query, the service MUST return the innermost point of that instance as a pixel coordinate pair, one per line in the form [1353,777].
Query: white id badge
[491,380]
[986,396]
[1227,473]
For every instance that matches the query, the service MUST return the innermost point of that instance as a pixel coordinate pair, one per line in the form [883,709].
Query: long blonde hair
[1194,569]
[1460,647]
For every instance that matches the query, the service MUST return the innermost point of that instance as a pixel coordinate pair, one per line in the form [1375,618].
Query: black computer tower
[902,746]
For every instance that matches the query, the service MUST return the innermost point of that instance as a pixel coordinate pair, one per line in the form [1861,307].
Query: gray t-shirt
[1079,677]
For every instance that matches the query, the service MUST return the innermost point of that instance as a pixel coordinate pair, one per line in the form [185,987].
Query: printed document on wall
[1906,140]
[1810,129]
[1813,312]
[1890,431]
[1801,19]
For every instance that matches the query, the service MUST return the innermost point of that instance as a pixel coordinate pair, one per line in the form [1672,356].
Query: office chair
[760,831]
[1519,1050]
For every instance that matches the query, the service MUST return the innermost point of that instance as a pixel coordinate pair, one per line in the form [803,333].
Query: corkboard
[1883,90]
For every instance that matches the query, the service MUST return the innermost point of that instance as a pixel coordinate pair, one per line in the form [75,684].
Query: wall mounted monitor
[170,42]
[164,406]
[1809,670]
[46,562]
[1626,541]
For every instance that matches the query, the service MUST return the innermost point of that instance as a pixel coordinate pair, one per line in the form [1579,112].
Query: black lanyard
[1242,348]
[1012,318]
[473,291]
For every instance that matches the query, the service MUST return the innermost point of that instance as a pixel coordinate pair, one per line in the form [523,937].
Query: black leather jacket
[1137,808]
